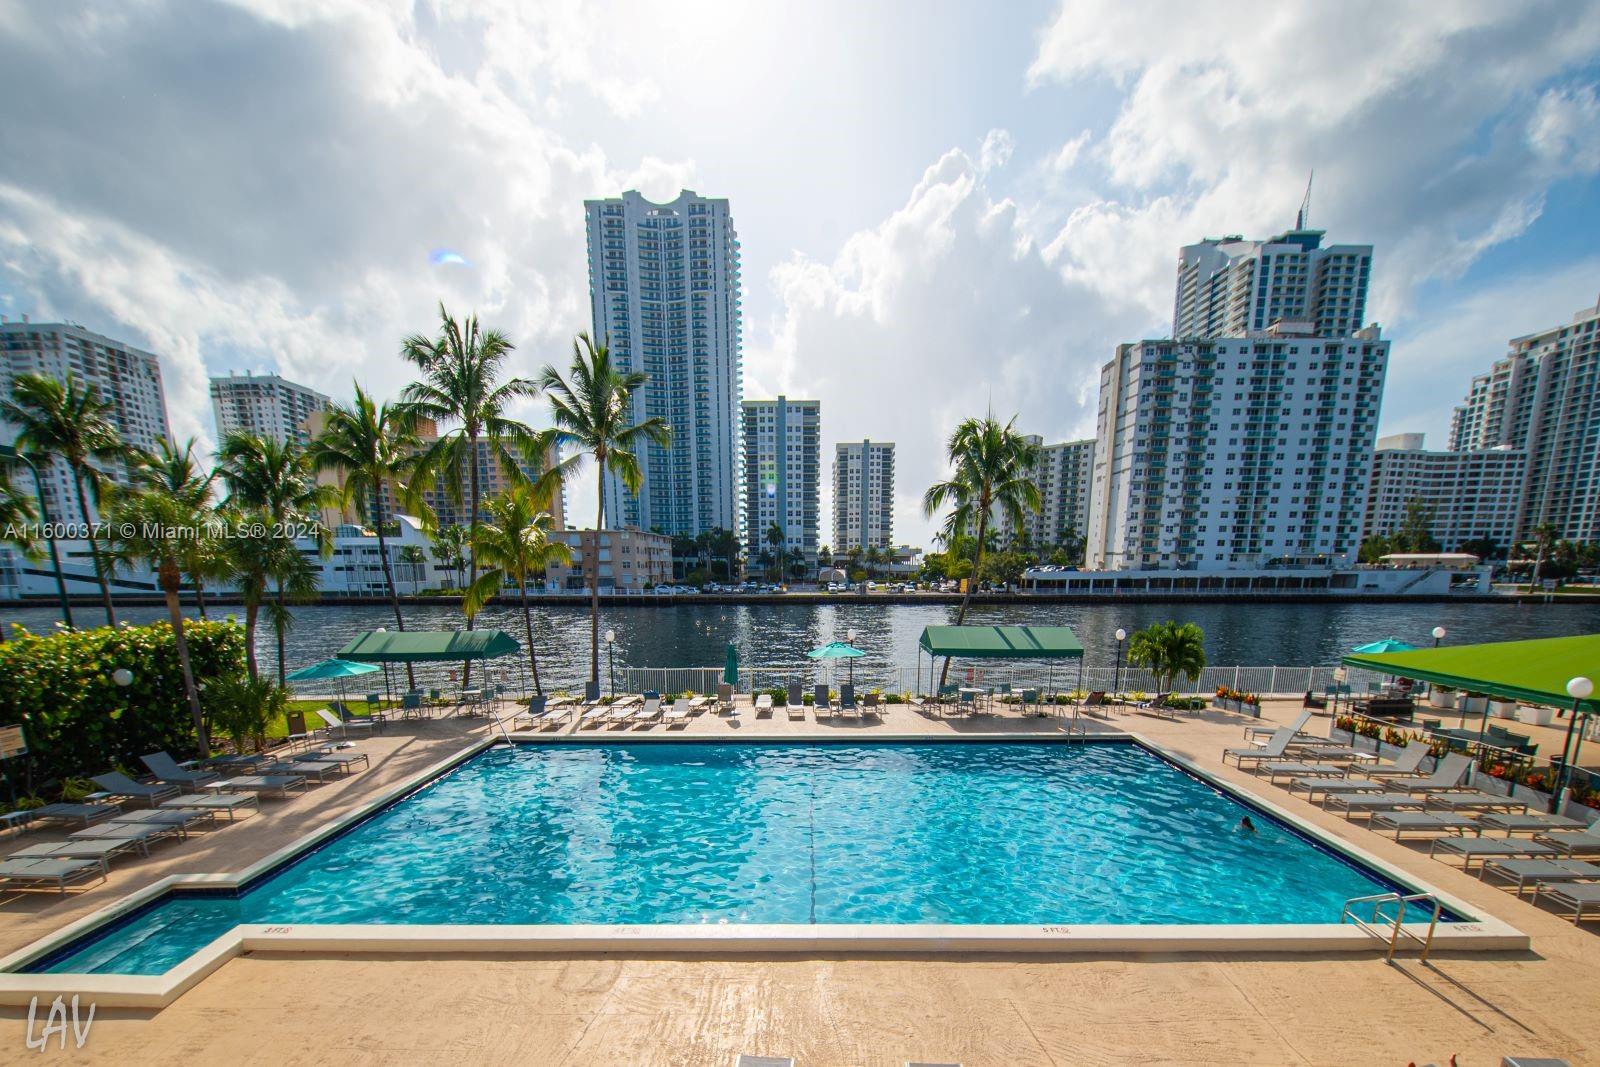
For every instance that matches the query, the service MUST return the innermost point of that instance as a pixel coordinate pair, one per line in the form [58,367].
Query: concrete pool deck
[832,1008]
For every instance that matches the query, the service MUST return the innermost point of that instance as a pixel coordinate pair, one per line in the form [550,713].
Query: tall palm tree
[277,482]
[374,450]
[514,544]
[460,384]
[150,526]
[175,472]
[69,421]
[1169,649]
[993,472]
[1545,536]
[592,409]
[450,549]
[255,557]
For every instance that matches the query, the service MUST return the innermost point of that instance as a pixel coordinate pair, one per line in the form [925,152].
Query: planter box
[1475,705]
[1237,705]
[1446,699]
[1503,709]
[1535,716]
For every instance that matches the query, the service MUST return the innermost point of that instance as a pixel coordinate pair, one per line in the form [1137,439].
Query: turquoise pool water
[757,833]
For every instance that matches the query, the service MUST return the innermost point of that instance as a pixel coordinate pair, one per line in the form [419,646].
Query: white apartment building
[664,294]
[782,463]
[265,405]
[1065,477]
[629,561]
[1228,286]
[1226,453]
[1543,398]
[863,495]
[1470,495]
[127,378]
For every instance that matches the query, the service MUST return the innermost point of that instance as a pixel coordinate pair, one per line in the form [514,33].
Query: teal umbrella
[332,669]
[1388,644]
[730,667]
[838,650]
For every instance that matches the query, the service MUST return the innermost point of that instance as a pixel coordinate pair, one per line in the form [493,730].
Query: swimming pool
[755,833]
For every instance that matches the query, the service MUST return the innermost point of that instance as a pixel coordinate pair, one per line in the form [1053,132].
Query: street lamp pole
[611,662]
[1438,635]
[44,519]
[1579,689]
[1116,687]
[850,639]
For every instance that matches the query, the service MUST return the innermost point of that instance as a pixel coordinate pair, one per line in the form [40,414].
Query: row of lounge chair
[127,816]
[1403,797]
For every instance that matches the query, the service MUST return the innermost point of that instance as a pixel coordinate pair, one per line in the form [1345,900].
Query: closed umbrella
[730,665]
[838,650]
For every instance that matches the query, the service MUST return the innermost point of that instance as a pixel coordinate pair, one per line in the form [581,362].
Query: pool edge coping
[1476,932]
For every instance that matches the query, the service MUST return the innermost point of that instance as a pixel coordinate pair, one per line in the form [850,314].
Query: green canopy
[1535,672]
[393,646]
[330,668]
[1001,642]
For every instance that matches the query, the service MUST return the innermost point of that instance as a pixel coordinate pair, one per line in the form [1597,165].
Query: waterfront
[696,635]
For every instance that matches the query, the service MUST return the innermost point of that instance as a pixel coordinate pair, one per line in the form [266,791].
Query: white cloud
[1066,157]
[996,150]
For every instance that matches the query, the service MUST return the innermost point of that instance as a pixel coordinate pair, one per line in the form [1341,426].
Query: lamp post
[1438,635]
[850,639]
[388,690]
[44,519]
[1579,689]
[611,662]
[1116,685]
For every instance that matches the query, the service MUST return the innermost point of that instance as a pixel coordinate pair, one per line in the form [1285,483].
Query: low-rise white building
[1467,495]
[629,560]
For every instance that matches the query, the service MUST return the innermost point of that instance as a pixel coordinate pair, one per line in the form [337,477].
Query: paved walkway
[1204,1009]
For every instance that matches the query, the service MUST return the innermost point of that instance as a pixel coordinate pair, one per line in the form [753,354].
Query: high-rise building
[1228,286]
[782,461]
[664,294]
[1230,452]
[127,378]
[265,405]
[1064,476]
[863,495]
[1466,496]
[1543,398]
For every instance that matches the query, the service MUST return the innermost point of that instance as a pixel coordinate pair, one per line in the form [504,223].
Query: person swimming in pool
[1246,826]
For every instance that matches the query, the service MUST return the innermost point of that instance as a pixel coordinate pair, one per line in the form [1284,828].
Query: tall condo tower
[265,405]
[863,495]
[664,294]
[782,446]
[1228,286]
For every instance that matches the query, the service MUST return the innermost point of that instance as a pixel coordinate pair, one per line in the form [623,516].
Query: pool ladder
[1391,930]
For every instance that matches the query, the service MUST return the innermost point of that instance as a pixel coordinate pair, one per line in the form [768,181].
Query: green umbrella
[730,667]
[1388,644]
[838,650]
[335,669]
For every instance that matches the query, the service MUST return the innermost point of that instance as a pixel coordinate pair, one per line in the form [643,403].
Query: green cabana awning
[1001,642]
[1535,672]
[392,646]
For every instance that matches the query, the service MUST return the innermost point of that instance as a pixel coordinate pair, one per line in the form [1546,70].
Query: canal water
[696,635]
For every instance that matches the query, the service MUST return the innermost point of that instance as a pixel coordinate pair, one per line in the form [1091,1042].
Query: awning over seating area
[393,646]
[1533,672]
[1001,642]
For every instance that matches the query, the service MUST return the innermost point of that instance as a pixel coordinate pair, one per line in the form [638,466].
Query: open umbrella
[838,650]
[336,670]
[1388,644]
[730,666]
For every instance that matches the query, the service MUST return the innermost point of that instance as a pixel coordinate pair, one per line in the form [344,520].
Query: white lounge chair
[1472,800]
[82,814]
[1532,822]
[1408,764]
[1578,897]
[619,715]
[1352,805]
[281,784]
[1446,777]
[1272,770]
[1421,822]
[344,725]
[48,871]
[1569,842]
[1332,787]
[1273,749]
[648,713]
[1486,848]
[796,710]
[1539,871]
[233,804]
[678,714]
[1253,732]
[763,704]
[595,716]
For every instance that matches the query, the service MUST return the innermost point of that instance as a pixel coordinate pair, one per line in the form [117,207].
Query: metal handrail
[1395,930]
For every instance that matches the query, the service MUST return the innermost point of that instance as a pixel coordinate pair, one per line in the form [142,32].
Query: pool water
[1037,833]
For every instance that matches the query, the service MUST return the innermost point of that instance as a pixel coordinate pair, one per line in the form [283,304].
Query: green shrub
[243,709]
[78,721]
[779,695]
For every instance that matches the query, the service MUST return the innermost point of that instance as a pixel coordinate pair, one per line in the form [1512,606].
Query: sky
[943,207]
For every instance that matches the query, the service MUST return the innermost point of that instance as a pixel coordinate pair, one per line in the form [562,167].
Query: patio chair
[1274,749]
[797,694]
[847,700]
[1272,770]
[966,702]
[594,715]
[648,713]
[344,725]
[536,706]
[261,784]
[796,710]
[120,785]
[99,851]
[724,694]
[1425,822]
[1370,804]
[1446,777]
[1472,800]
[1096,699]
[1569,842]
[436,697]
[162,817]
[822,702]
[411,705]
[1577,897]
[1156,705]
[1487,848]
[49,872]
[233,804]
[298,733]
[869,706]
[1539,871]
[1333,787]
[82,814]
[128,835]
[166,769]
[678,714]
[763,704]
[318,769]
[591,692]
[1298,726]
[1408,764]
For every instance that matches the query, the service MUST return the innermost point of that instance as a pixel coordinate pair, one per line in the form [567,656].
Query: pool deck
[649,1008]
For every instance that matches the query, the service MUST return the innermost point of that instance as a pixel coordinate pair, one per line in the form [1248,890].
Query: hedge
[79,722]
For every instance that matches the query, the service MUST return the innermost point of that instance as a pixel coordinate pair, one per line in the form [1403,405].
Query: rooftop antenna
[1304,214]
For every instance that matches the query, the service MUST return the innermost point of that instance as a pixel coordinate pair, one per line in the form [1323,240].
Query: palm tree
[153,527]
[592,410]
[1169,649]
[69,421]
[254,557]
[775,541]
[1545,536]
[374,450]
[413,557]
[277,481]
[515,545]
[993,471]
[177,474]
[460,384]
[16,510]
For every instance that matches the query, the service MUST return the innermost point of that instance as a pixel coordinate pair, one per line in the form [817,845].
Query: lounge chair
[869,706]
[1448,776]
[1569,842]
[797,694]
[678,714]
[120,785]
[1473,801]
[82,814]
[131,835]
[724,694]
[796,710]
[1253,732]
[1578,897]
[1334,787]
[822,702]
[648,714]
[1272,770]
[595,716]
[1096,699]
[344,759]
[621,714]
[281,784]
[1352,805]
[163,817]
[321,770]
[1408,764]
[1273,749]
[232,804]
[1533,822]
[1487,848]
[100,851]
[1421,822]
[763,704]
[847,701]
[1156,705]
[536,709]
[552,717]
[375,720]
[166,769]
[46,871]
[1539,871]
[343,725]
[591,692]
